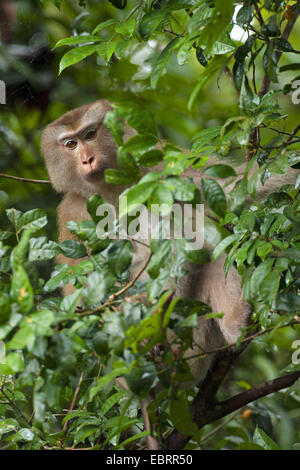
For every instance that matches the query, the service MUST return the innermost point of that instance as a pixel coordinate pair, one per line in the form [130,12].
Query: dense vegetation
[185,76]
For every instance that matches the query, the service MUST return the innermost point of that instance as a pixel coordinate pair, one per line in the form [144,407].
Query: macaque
[78,148]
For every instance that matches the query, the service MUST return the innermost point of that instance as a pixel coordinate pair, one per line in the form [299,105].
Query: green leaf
[200,18]
[151,158]
[161,256]
[73,249]
[140,143]
[244,15]
[182,189]
[271,27]
[162,196]
[269,286]
[93,203]
[41,249]
[13,216]
[247,220]
[119,256]
[119,177]
[198,256]
[70,302]
[270,62]
[111,401]
[225,243]
[238,73]
[215,65]
[41,322]
[246,97]
[18,254]
[76,55]
[264,248]
[137,117]
[141,377]
[259,274]
[21,290]
[288,303]
[115,125]
[103,25]
[185,52]
[181,417]
[98,285]
[151,22]
[287,67]
[163,59]
[77,40]
[262,439]
[106,49]
[206,136]
[5,308]
[126,28]
[33,219]
[84,230]
[214,196]
[220,171]
[15,362]
[249,446]
[140,435]
[156,286]
[121,4]
[106,379]
[55,281]
[22,338]
[138,195]
[180,4]
[283,45]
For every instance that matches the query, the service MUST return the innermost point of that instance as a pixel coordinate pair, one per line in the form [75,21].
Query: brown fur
[206,282]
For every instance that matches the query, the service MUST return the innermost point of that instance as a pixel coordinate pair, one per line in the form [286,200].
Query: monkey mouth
[94,175]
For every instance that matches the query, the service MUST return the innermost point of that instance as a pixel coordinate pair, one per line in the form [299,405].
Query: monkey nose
[88,161]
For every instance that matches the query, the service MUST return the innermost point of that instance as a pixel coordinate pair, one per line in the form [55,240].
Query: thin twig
[73,401]
[24,180]
[113,297]
[218,428]
[13,405]
[244,340]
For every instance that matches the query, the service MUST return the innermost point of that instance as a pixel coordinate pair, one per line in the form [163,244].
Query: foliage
[57,388]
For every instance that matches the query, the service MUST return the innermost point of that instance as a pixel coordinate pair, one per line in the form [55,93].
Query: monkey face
[84,148]
[78,149]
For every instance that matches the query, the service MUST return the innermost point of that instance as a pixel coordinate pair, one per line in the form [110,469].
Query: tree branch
[242,399]
[24,180]
[220,409]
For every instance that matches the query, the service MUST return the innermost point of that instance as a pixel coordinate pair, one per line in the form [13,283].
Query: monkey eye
[71,144]
[91,134]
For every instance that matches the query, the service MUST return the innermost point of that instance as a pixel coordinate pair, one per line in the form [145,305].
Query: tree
[61,356]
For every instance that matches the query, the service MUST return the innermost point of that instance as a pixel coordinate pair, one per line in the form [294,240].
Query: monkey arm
[72,207]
